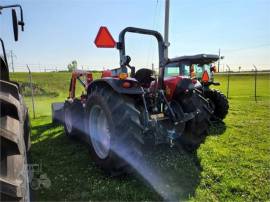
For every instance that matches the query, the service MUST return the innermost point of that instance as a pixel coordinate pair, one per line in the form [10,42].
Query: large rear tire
[15,144]
[114,130]
[220,102]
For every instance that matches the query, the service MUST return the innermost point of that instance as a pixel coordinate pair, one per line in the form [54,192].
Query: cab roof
[196,59]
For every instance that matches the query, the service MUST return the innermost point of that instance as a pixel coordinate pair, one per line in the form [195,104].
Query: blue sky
[58,31]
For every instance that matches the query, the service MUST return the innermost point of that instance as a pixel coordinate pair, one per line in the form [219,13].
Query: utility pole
[32,91]
[153,68]
[228,80]
[218,59]
[11,57]
[255,83]
[166,27]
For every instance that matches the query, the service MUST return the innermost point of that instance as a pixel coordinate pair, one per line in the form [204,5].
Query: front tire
[113,128]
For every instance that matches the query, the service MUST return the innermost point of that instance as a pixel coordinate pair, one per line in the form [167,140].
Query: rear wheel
[220,103]
[114,130]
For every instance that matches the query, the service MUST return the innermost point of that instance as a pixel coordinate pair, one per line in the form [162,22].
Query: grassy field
[233,164]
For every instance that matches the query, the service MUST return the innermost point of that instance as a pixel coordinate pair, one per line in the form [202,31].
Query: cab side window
[171,71]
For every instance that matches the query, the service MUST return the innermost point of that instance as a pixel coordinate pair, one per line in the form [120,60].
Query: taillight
[126,84]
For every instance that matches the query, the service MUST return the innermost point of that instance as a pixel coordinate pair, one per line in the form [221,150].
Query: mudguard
[116,84]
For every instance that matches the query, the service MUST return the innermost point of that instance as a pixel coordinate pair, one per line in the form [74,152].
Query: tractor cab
[197,67]
[200,68]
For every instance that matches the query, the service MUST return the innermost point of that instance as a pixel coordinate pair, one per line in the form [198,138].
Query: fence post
[32,91]
[228,79]
[255,83]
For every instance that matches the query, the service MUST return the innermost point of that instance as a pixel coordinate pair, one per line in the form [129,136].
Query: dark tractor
[201,69]
[119,115]
[14,129]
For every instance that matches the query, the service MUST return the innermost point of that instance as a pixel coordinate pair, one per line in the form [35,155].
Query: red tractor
[200,68]
[119,114]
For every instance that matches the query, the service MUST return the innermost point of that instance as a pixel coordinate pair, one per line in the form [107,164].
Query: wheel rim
[99,131]
[68,121]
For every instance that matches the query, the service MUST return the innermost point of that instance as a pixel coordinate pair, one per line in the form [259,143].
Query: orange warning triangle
[104,38]
[205,77]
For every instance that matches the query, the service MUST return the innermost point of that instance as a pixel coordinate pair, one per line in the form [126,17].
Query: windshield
[177,69]
[185,69]
[172,71]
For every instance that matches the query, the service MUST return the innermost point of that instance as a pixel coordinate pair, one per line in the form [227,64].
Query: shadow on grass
[39,130]
[74,176]
[217,128]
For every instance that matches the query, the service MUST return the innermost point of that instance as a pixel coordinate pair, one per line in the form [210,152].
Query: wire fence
[50,68]
[250,85]
[62,67]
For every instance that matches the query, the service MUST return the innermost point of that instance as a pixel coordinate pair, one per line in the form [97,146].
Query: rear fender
[116,85]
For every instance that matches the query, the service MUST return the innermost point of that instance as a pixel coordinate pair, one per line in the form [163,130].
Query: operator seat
[144,77]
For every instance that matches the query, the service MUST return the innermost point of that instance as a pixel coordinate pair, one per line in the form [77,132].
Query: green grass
[232,165]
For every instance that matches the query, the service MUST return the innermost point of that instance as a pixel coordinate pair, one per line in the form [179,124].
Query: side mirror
[15,24]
